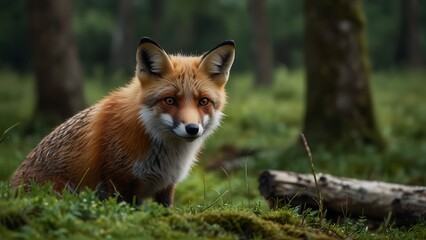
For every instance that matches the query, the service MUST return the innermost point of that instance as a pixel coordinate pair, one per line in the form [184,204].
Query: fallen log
[346,197]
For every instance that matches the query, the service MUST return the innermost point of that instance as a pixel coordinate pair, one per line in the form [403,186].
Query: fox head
[183,96]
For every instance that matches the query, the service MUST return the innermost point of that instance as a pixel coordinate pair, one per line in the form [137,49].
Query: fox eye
[204,101]
[169,101]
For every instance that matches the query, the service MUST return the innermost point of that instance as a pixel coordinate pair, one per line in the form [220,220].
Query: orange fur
[115,145]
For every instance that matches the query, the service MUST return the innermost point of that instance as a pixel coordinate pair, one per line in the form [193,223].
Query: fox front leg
[165,196]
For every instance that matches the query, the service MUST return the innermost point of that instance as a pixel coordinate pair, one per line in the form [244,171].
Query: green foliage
[92,26]
[14,50]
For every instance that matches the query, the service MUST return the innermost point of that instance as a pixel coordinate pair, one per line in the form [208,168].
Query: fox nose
[192,129]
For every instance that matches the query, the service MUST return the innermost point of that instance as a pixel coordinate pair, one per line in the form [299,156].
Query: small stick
[305,142]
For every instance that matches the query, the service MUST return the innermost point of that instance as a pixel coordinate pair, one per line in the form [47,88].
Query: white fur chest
[166,164]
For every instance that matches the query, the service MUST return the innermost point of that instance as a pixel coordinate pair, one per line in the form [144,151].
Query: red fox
[143,138]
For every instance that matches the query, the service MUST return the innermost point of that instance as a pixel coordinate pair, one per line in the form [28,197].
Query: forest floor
[220,198]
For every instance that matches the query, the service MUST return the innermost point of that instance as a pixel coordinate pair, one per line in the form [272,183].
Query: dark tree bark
[57,68]
[124,41]
[157,16]
[339,106]
[261,43]
[409,50]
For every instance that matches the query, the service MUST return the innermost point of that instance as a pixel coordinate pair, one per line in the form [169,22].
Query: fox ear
[151,59]
[218,62]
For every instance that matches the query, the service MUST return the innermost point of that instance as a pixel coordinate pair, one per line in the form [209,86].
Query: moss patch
[247,225]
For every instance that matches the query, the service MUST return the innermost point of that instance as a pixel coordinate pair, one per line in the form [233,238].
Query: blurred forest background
[193,26]
[274,83]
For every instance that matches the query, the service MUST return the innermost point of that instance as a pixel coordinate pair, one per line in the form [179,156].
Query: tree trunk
[57,68]
[339,107]
[261,43]
[157,16]
[409,49]
[124,41]
[345,196]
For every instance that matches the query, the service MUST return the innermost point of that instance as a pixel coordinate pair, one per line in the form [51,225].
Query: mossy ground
[42,215]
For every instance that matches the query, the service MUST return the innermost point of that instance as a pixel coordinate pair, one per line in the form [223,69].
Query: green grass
[42,215]
[259,132]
